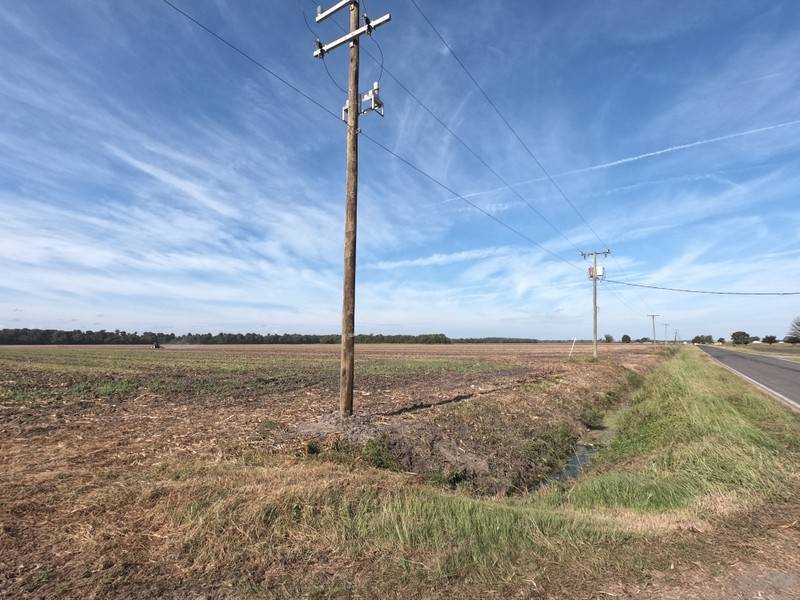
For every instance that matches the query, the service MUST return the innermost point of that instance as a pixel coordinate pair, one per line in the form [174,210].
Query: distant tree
[626,339]
[644,340]
[609,338]
[792,339]
[769,339]
[721,340]
[794,328]
[703,339]
[740,337]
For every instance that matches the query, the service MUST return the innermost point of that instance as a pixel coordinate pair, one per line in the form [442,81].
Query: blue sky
[154,179]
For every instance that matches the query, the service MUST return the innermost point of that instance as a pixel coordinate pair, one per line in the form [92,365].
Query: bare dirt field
[442,409]
[82,427]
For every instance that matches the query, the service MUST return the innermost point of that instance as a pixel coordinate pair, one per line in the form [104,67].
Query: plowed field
[78,423]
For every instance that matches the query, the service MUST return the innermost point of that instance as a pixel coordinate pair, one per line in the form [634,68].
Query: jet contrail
[630,159]
[623,161]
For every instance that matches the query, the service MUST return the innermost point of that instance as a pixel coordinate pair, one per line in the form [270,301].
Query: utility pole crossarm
[324,14]
[322,50]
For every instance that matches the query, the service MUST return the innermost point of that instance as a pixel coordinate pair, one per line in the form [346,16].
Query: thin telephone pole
[665,332]
[593,275]
[654,326]
[352,110]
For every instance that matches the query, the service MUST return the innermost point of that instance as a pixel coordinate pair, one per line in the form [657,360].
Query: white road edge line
[791,403]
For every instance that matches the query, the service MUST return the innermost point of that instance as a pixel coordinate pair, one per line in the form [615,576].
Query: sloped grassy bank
[695,449]
[692,434]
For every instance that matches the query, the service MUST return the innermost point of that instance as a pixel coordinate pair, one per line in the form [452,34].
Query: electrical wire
[446,187]
[618,297]
[337,117]
[507,123]
[322,56]
[380,73]
[517,136]
[669,289]
[252,60]
[465,200]
[466,146]
[340,88]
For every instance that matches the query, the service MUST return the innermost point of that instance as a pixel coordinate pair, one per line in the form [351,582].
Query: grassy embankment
[694,449]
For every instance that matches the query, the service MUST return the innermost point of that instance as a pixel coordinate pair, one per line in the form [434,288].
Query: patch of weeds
[116,388]
[592,417]
[313,448]
[550,446]
[634,379]
[343,452]
[376,452]
[535,386]
[612,397]
[38,580]
[450,479]
[267,427]
[342,446]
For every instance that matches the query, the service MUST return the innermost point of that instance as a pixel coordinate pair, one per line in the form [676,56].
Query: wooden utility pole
[352,110]
[351,201]
[665,332]
[594,275]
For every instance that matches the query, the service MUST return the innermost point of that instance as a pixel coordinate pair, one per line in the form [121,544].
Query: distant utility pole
[351,113]
[593,274]
[654,326]
[665,332]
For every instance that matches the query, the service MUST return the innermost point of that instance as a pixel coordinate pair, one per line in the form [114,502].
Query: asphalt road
[776,376]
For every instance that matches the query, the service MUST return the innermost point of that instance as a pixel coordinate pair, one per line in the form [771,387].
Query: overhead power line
[455,136]
[472,204]
[251,59]
[338,118]
[669,289]
[521,142]
[407,162]
[507,123]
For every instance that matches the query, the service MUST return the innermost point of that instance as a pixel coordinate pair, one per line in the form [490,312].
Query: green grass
[409,537]
[53,376]
[116,388]
[691,431]
[395,368]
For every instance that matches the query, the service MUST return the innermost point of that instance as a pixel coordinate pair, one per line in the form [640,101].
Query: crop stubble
[75,419]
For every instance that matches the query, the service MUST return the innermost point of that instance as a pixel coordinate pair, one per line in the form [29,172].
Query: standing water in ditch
[579,461]
[584,452]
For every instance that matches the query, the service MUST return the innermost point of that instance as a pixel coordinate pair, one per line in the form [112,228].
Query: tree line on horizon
[37,337]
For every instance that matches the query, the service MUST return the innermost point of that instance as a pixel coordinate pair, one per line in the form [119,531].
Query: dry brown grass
[170,484]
